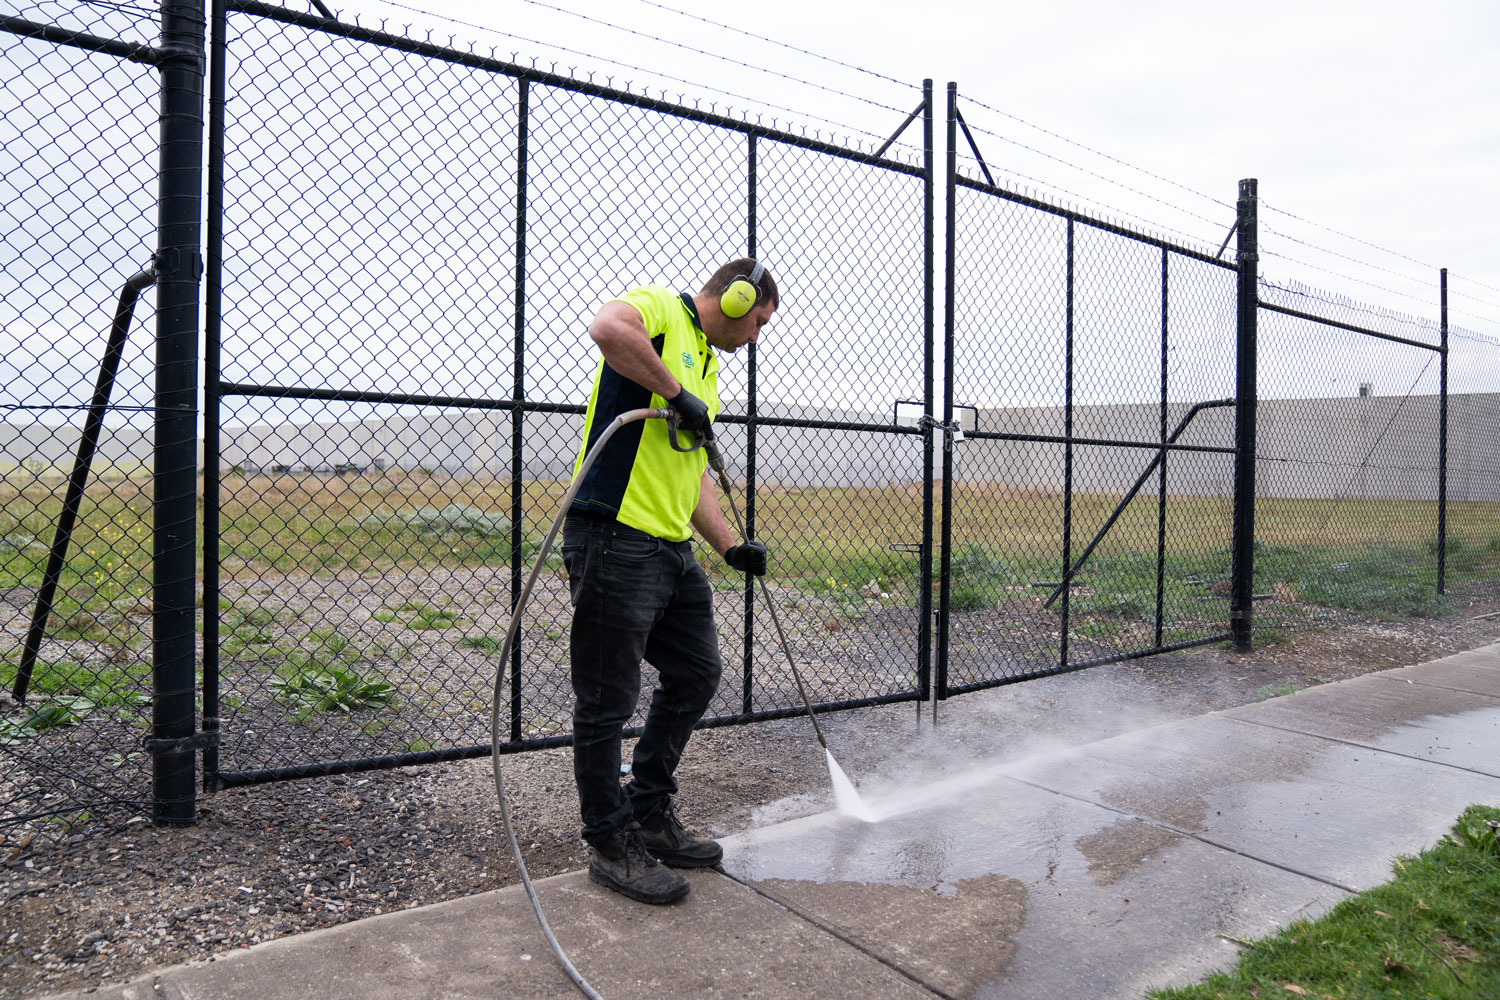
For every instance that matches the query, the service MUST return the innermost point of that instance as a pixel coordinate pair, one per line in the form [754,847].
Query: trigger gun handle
[696,439]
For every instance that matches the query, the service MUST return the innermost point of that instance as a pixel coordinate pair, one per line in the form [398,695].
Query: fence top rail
[1090,221]
[137,52]
[473,60]
[1352,328]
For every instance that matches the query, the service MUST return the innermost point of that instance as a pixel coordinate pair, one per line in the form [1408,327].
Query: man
[637,591]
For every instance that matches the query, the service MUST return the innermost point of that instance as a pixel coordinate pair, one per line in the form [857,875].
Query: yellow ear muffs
[742,294]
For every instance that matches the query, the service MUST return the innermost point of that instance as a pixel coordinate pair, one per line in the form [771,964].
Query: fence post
[175,473]
[1442,539]
[1247,255]
[939,688]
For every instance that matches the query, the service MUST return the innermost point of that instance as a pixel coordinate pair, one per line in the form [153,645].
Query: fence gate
[413,240]
[1090,456]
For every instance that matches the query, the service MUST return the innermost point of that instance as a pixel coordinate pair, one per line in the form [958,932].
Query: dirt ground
[118,899]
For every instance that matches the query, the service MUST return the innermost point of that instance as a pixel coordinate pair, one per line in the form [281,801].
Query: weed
[1276,691]
[53,714]
[484,643]
[417,615]
[330,689]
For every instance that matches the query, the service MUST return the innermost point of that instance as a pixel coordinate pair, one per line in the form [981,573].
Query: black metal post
[752,249]
[1067,538]
[1442,547]
[518,393]
[924,595]
[212,323]
[88,441]
[1161,487]
[950,241]
[180,267]
[1247,256]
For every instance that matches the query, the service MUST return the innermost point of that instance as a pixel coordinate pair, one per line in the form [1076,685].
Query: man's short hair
[741,268]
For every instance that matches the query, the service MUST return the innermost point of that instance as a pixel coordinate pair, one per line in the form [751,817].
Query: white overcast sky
[1373,126]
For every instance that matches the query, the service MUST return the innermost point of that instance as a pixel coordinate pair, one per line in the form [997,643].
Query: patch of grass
[417,615]
[1432,931]
[103,685]
[484,643]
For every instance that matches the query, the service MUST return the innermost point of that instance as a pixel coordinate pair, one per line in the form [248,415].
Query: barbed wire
[1345,277]
[1343,302]
[1099,176]
[800,116]
[1353,260]
[664,41]
[1190,240]
[1374,246]
[144,13]
[1114,159]
[784,45]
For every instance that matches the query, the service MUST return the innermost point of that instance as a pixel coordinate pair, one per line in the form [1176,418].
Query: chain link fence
[78,200]
[405,244]
[1087,517]
[414,244]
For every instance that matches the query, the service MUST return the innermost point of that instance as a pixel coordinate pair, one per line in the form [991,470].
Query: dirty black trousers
[635,597]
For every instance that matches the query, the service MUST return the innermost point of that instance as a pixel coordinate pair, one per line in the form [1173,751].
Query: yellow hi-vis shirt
[639,479]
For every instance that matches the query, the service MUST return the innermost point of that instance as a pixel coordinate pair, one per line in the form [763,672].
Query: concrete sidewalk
[1093,872]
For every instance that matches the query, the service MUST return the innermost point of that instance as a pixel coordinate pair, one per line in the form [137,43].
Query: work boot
[623,864]
[673,845]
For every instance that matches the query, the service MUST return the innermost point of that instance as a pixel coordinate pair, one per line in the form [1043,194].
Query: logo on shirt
[687,359]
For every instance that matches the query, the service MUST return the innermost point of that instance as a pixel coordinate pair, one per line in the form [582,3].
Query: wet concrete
[1144,855]
[1136,859]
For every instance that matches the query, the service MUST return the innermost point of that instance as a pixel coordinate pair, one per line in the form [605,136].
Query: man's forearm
[708,519]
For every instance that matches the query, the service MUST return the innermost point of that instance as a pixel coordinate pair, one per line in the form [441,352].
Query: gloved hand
[747,557]
[692,412]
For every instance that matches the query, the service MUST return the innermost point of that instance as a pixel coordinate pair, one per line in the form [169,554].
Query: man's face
[736,333]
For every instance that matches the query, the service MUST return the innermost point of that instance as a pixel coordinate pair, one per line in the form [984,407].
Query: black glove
[749,557]
[692,412]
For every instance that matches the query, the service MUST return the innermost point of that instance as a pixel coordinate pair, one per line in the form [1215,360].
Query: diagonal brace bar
[1130,495]
[897,134]
[87,443]
[974,146]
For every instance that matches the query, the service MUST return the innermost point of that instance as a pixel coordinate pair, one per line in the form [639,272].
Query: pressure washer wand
[716,461]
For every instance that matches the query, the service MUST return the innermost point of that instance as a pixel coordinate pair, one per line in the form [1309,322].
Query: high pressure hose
[715,460]
[628,417]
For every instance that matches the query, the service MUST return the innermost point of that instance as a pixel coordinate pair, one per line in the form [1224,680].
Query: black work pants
[635,597]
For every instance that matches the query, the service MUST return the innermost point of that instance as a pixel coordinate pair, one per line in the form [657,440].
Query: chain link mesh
[77,219]
[371,550]
[1063,554]
[1347,472]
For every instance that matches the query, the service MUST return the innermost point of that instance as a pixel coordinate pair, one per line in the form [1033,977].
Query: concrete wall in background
[1363,446]
[1368,446]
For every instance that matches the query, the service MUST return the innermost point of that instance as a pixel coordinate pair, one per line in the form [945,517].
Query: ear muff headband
[742,294]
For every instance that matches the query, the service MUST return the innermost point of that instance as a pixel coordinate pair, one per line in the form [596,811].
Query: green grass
[103,685]
[1432,931]
[1375,557]
[417,615]
[484,643]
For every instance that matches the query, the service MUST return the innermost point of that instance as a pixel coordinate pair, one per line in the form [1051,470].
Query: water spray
[845,796]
